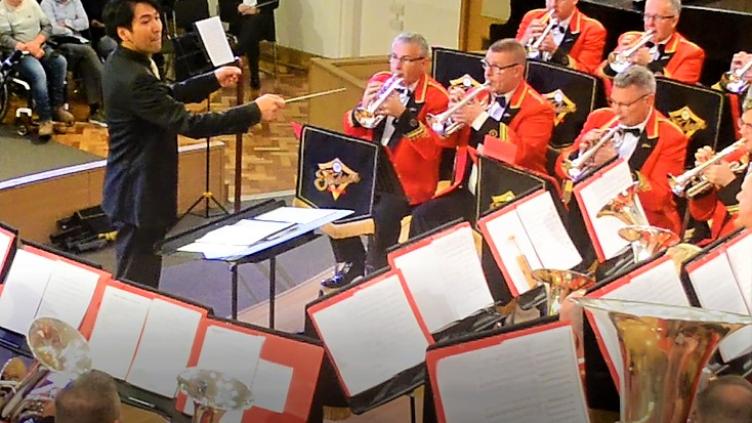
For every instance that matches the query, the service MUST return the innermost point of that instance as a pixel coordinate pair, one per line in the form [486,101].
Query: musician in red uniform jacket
[577,41]
[411,146]
[654,147]
[719,203]
[514,116]
[667,53]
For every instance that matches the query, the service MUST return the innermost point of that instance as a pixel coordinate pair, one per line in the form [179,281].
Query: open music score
[528,376]
[383,337]
[592,194]
[656,281]
[530,227]
[436,269]
[7,242]
[713,277]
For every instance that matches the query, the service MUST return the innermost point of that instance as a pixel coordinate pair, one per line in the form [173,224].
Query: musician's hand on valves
[227,76]
[739,60]
[456,94]
[392,106]
[590,138]
[270,106]
[549,44]
[469,112]
[244,9]
[720,174]
[642,57]
[370,92]
[533,30]
[703,154]
[604,154]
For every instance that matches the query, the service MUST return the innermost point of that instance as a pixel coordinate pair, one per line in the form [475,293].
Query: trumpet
[581,163]
[680,185]
[443,124]
[733,81]
[619,61]
[533,44]
[367,115]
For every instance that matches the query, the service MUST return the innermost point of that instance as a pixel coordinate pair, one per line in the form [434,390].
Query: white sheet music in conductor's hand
[215,41]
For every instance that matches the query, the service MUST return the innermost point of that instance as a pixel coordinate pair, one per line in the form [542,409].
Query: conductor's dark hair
[119,14]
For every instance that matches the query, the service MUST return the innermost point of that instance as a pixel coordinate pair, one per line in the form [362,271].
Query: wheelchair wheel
[4,100]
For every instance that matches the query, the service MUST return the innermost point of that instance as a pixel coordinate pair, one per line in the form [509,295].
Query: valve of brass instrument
[738,78]
[462,91]
[627,53]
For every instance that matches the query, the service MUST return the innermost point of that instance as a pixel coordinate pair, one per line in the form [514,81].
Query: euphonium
[533,44]
[559,284]
[367,115]
[694,176]
[733,81]
[581,163]
[624,207]
[647,241]
[213,394]
[443,124]
[619,60]
[664,350]
[57,347]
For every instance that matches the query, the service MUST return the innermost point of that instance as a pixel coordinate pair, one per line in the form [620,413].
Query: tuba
[619,60]
[559,284]
[533,44]
[367,115]
[213,394]
[733,81]
[664,351]
[647,241]
[443,124]
[57,347]
[692,183]
[582,163]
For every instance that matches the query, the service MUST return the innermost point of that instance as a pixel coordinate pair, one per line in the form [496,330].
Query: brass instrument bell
[624,207]
[647,241]
[213,393]
[559,284]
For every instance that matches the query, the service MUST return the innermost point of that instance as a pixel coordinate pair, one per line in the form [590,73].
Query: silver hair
[413,38]
[676,5]
[638,76]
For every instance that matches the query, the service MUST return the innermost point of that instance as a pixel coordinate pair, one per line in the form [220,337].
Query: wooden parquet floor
[270,150]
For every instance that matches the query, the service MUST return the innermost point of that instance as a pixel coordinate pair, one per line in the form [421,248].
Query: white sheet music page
[660,284]
[739,258]
[215,41]
[69,293]
[528,379]
[234,353]
[716,288]
[165,347]
[271,386]
[513,244]
[6,241]
[597,194]
[382,336]
[115,338]
[243,232]
[23,291]
[545,229]
[302,215]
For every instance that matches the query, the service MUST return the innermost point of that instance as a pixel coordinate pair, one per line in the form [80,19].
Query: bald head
[727,399]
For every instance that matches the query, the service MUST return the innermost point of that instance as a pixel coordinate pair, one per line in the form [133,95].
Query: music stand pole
[238,146]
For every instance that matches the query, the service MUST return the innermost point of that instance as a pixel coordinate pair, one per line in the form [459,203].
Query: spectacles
[651,17]
[616,104]
[497,68]
[743,124]
[404,59]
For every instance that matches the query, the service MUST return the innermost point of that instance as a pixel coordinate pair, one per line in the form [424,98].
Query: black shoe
[255,82]
[344,273]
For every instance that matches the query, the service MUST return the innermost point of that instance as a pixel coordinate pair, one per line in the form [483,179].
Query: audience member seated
[727,399]
[101,42]
[68,19]
[91,398]
[24,26]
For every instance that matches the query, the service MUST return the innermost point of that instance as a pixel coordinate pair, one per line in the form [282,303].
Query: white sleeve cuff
[479,121]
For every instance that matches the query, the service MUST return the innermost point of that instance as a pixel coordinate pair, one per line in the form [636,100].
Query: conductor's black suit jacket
[144,116]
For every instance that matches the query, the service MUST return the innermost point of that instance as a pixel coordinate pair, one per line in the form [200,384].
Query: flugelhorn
[581,163]
[533,44]
[619,60]
[367,115]
[664,350]
[680,185]
[443,124]
[559,284]
[213,394]
[733,81]
[57,347]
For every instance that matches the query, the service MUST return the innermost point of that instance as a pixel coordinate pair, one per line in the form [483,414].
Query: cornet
[367,115]
[213,394]
[733,81]
[619,60]
[443,124]
[582,163]
[680,185]
[533,44]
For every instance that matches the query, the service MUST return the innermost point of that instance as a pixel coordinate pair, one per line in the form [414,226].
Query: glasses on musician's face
[616,104]
[404,59]
[657,18]
[745,125]
[495,68]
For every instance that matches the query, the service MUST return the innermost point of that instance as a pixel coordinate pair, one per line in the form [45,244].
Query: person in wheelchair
[68,19]
[102,43]
[25,27]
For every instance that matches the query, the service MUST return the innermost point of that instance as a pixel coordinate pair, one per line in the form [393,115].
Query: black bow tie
[634,131]
[560,28]
[502,101]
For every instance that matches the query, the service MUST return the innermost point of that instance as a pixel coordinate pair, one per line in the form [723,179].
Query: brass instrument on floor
[57,347]
[533,44]
[559,284]
[664,351]
[620,60]
[647,241]
[582,163]
[213,394]
[692,183]
[368,115]
[443,124]
[734,82]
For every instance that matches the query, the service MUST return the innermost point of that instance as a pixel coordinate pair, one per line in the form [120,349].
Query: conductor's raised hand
[227,76]
[270,106]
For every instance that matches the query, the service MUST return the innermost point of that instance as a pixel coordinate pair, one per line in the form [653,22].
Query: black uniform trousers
[136,259]
[457,204]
